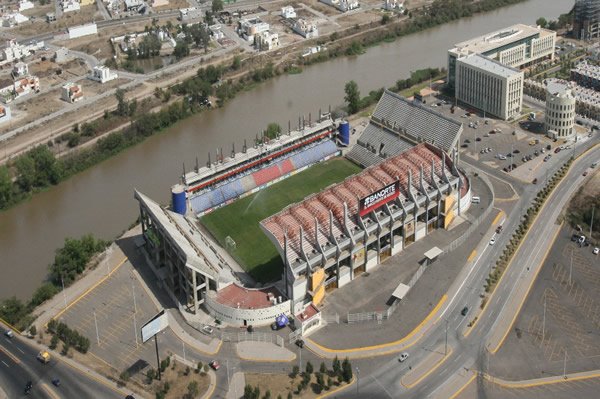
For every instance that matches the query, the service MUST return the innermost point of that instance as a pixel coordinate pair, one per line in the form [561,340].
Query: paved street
[18,365]
[470,352]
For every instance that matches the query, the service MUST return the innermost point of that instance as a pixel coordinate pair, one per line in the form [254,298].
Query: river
[100,200]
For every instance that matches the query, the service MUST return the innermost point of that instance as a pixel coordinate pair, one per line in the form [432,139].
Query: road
[18,364]
[471,352]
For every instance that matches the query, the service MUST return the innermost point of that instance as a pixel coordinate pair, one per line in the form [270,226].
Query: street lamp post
[592,222]
[544,322]
[446,344]
[63,290]
[571,269]
[357,380]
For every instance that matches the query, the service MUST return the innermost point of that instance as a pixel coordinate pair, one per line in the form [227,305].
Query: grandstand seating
[240,185]
[376,144]
[417,120]
[265,175]
[286,166]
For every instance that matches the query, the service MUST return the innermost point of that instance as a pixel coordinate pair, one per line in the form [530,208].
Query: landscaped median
[505,260]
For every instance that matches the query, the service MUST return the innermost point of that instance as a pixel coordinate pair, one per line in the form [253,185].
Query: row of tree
[354,102]
[70,337]
[69,261]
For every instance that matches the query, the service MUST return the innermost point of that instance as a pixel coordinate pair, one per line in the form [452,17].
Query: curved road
[470,353]
[18,364]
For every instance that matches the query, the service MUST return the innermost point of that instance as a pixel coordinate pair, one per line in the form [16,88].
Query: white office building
[486,84]
[516,46]
[560,110]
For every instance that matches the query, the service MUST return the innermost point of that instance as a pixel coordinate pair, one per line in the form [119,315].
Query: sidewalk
[236,389]
[585,375]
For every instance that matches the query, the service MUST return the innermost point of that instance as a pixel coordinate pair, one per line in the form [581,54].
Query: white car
[493,241]
[403,357]
[596,251]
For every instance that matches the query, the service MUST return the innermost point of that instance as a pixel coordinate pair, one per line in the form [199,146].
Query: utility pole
[446,345]
[300,359]
[96,323]
[157,357]
[135,331]
[544,322]
[183,345]
[357,380]
[63,290]
[133,293]
[571,269]
[591,222]
[227,366]
[565,365]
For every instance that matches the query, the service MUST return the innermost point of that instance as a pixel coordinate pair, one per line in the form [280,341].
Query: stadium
[270,230]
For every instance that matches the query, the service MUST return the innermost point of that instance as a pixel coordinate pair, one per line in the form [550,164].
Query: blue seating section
[239,186]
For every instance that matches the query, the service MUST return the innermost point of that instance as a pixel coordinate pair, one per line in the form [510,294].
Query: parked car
[464,311]
[9,334]
[208,330]
[56,382]
[214,365]
[403,357]
[28,387]
[499,229]
[557,150]
[478,139]
[596,251]
[300,343]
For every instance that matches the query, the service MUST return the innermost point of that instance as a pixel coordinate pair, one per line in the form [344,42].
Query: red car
[215,365]
[557,150]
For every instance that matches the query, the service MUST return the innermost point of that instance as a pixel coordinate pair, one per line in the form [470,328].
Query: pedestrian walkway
[535,382]
[263,352]
[236,388]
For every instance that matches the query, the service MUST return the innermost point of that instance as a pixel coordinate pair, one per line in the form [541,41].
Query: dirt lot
[39,24]
[588,194]
[324,8]
[359,18]
[173,5]
[282,384]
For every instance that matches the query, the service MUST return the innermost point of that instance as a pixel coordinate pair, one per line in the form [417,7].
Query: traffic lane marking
[9,354]
[5,364]
[49,391]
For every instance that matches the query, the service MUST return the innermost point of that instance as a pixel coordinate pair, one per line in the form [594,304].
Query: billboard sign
[155,325]
[379,198]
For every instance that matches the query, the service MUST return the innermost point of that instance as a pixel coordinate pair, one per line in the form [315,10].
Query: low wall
[235,316]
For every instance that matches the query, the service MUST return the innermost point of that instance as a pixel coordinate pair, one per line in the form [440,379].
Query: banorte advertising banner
[379,198]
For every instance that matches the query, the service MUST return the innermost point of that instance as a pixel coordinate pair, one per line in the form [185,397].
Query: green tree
[346,370]
[6,189]
[122,106]
[541,22]
[181,49]
[192,389]
[273,129]
[352,97]
[309,368]
[323,368]
[217,5]
[43,293]
[237,63]
[335,365]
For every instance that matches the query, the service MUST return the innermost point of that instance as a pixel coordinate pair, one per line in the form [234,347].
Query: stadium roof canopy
[317,223]
[398,124]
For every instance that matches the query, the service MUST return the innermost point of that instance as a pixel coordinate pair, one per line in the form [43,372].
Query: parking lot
[519,148]
[560,319]
[112,307]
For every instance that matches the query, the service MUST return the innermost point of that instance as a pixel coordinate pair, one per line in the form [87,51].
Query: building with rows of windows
[488,65]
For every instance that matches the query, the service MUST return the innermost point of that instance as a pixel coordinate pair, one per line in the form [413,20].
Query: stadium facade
[411,185]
